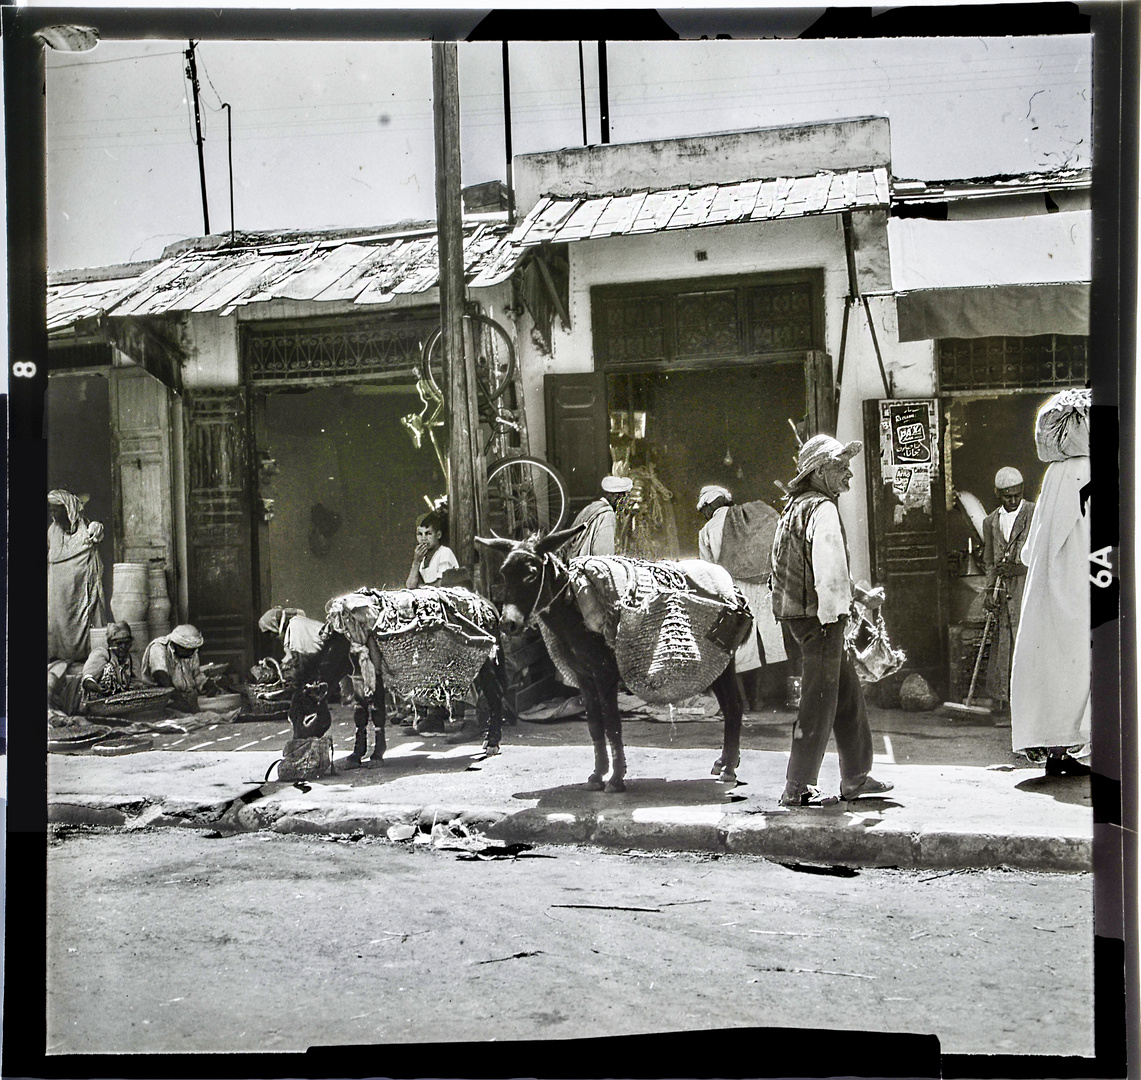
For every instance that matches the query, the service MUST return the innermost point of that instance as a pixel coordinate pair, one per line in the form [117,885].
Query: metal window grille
[289,355]
[1045,362]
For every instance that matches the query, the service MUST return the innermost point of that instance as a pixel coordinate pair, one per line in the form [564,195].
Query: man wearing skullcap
[1050,676]
[600,519]
[75,577]
[1004,533]
[740,539]
[172,660]
[812,592]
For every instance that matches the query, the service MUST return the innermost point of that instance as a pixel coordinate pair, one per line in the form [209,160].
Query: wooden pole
[603,93]
[507,135]
[463,476]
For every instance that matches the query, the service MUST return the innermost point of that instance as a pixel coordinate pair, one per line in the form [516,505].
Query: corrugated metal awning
[991,277]
[364,271]
[563,218]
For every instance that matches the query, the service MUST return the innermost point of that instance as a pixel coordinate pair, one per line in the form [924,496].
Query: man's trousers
[831,700]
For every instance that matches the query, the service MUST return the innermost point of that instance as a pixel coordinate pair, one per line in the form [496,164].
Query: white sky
[340,134]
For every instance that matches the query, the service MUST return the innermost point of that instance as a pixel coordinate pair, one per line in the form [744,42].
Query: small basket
[664,649]
[130,701]
[268,701]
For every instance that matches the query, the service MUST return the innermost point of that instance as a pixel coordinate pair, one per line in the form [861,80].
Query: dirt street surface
[180,941]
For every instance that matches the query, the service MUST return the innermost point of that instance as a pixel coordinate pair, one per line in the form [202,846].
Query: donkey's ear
[555,540]
[496,543]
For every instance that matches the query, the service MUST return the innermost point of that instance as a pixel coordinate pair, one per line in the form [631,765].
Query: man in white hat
[739,538]
[1004,533]
[172,660]
[812,593]
[600,519]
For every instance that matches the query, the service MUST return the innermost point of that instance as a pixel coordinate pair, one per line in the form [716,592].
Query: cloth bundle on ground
[673,625]
[747,541]
[433,640]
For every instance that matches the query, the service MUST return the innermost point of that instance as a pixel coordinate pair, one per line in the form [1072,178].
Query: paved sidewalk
[939,816]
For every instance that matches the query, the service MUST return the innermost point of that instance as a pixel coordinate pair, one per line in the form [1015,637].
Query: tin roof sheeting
[364,270]
[563,218]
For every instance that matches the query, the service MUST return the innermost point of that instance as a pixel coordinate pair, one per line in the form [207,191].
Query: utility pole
[467,484]
[582,93]
[192,75]
[603,93]
[507,135]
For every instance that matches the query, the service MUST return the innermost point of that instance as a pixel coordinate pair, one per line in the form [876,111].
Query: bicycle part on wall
[525,496]
[494,358]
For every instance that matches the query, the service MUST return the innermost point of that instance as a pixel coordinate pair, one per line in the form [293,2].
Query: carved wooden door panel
[141,479]
[907,527]
[219,562]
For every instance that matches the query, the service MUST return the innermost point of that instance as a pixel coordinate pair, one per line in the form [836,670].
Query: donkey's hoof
[718,765]
[727,776]
[594,783]
[376,761]
[491,749]
[615,784]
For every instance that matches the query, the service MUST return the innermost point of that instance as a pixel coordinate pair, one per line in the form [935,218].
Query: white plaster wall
[792,150]
[806,243]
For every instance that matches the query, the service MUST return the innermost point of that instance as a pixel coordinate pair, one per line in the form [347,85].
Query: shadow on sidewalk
[1065,789]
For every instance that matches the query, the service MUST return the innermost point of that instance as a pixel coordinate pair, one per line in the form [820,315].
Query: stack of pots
[158,614]
[130,602]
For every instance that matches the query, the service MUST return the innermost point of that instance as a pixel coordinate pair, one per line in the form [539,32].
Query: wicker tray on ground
[131,701]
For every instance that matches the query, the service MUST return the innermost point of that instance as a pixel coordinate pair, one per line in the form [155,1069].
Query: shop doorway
[985,434]
[729,426]
[77,423]
[346,484]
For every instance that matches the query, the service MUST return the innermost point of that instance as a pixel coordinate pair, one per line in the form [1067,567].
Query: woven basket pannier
[431,666]
[664,649]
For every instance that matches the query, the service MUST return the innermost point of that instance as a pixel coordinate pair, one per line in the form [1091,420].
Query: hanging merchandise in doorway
[908,454]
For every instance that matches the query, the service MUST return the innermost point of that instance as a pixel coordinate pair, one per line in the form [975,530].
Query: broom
[954,708]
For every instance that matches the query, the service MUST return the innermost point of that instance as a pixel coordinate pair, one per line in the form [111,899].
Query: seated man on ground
[172,660]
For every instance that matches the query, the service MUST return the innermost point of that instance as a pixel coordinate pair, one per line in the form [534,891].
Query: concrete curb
[945,818]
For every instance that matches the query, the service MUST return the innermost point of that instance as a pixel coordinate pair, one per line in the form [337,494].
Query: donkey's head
[527,574]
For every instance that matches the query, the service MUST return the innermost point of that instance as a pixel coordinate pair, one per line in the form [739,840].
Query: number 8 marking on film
[24,369]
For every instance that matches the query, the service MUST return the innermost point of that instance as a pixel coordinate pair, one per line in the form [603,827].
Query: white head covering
[1061,428]
[187,636]
[1007,477]
[711,493]
[821,448]
[616,484]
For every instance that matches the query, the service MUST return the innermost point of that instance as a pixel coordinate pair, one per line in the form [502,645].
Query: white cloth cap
[711,493]
[1007,477]
[616,484]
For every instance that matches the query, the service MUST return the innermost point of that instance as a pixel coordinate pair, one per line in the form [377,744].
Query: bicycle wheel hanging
[525,496]
[494,358]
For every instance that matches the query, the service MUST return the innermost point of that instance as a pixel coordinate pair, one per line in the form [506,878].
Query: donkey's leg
[595,724]
[377,707]
[725,690]
[488,682]
[612,719]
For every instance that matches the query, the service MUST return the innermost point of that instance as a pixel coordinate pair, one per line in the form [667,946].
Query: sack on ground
[306,759]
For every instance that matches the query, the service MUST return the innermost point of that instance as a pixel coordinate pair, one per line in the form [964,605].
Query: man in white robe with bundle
[740,538]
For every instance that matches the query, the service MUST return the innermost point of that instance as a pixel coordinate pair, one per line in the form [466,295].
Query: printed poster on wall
[909,452]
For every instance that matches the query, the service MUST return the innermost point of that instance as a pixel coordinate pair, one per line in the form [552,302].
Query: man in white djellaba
[1050,673]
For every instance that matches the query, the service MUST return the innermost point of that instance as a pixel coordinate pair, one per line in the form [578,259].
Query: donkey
[333,662]
[536,583]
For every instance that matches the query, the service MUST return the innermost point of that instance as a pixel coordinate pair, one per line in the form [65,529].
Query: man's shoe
[806,795]
[868,786]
